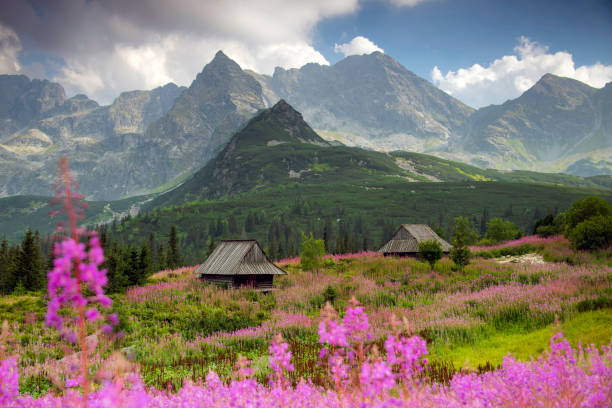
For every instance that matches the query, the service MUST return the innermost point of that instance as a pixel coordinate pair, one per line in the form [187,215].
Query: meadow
[175,328]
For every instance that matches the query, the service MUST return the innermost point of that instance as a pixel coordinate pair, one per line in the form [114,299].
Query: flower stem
[73,230]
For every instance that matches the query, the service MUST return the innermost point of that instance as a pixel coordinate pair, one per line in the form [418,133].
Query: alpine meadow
[347,203]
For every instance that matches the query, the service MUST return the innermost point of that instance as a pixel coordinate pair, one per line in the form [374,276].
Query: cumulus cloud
[508,77]
[109,46]
[357,46]
[10,46]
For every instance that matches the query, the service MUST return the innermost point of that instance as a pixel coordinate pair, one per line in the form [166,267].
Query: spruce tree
[174,257]
[7,269]
[211,246]
[162,262]
[133,272]
[29,268]
[145,266]
[249,224]
[233,225]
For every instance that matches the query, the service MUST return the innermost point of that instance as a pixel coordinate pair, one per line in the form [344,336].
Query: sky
[480,51]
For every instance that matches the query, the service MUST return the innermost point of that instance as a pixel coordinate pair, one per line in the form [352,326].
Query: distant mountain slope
[369,99]
[220,100]
[22,100]
[559,124]
[278,148]
[21,212]
[99,141]
[278,162]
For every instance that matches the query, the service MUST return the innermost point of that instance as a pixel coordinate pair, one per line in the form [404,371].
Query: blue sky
[480,51]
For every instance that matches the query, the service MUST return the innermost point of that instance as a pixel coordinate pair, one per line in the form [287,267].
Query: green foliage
[430,251]
[461,256]
[499,230]
[312,252]
[174,256]
[593,233]
[506,251]
[585,208]
[464,232]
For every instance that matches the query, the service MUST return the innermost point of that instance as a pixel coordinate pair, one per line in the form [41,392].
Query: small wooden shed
[405,241]
[237,263]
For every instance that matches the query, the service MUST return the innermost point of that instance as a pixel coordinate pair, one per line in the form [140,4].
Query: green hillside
[21,212]
[363,212]
[278,148]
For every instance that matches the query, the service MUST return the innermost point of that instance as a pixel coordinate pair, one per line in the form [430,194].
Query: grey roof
[238,257]
[408,236]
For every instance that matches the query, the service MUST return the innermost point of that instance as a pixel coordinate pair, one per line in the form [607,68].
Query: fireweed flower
[9,381]
[376,379]
[280,359]
[407,353]
[66,289]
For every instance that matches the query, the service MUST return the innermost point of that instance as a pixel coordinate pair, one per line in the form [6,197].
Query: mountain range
[279,166]
[149,141]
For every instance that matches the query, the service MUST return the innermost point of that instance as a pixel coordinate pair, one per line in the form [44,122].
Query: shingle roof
[408,236]
[229,259]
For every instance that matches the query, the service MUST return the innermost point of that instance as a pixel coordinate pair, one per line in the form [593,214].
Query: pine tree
[249,224]
[116,270]
[133,271]
[211,246]
[145,266]
[7,269]
[174,256]
[272,250]
[162,262]
[484,220]
[233,225]
[29,268]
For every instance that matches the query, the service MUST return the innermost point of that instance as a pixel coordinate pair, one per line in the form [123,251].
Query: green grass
[593,327]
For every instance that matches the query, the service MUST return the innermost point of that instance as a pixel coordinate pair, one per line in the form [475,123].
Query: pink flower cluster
[529,239]
[563,377]
[336,257]
[75,269]
[280,360]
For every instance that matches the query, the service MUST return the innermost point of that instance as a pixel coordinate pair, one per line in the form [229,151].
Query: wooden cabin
[236,263]
[405,241]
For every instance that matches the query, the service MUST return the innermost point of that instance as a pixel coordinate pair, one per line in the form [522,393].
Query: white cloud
[357,46]
[10,46]
[508,77]
[110,46]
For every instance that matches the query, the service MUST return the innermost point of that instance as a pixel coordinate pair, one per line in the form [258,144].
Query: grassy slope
[592,327]
[20,212]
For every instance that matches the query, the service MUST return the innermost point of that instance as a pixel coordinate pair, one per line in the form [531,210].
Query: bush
[464,232]
[585,208]
[430,251]
[312,252]
[593,233]
[461,256]
[499,230]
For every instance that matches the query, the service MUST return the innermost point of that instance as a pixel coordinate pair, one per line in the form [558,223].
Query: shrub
[499,230]
[461,256]
[593,233]
[464,232]
[430,251]
[312,252]
[585,208]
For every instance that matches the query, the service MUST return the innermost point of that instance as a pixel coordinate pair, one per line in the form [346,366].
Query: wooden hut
[405,241]
[237,263]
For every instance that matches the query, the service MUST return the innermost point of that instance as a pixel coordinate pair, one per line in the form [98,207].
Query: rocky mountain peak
[559,88]
[279,124]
